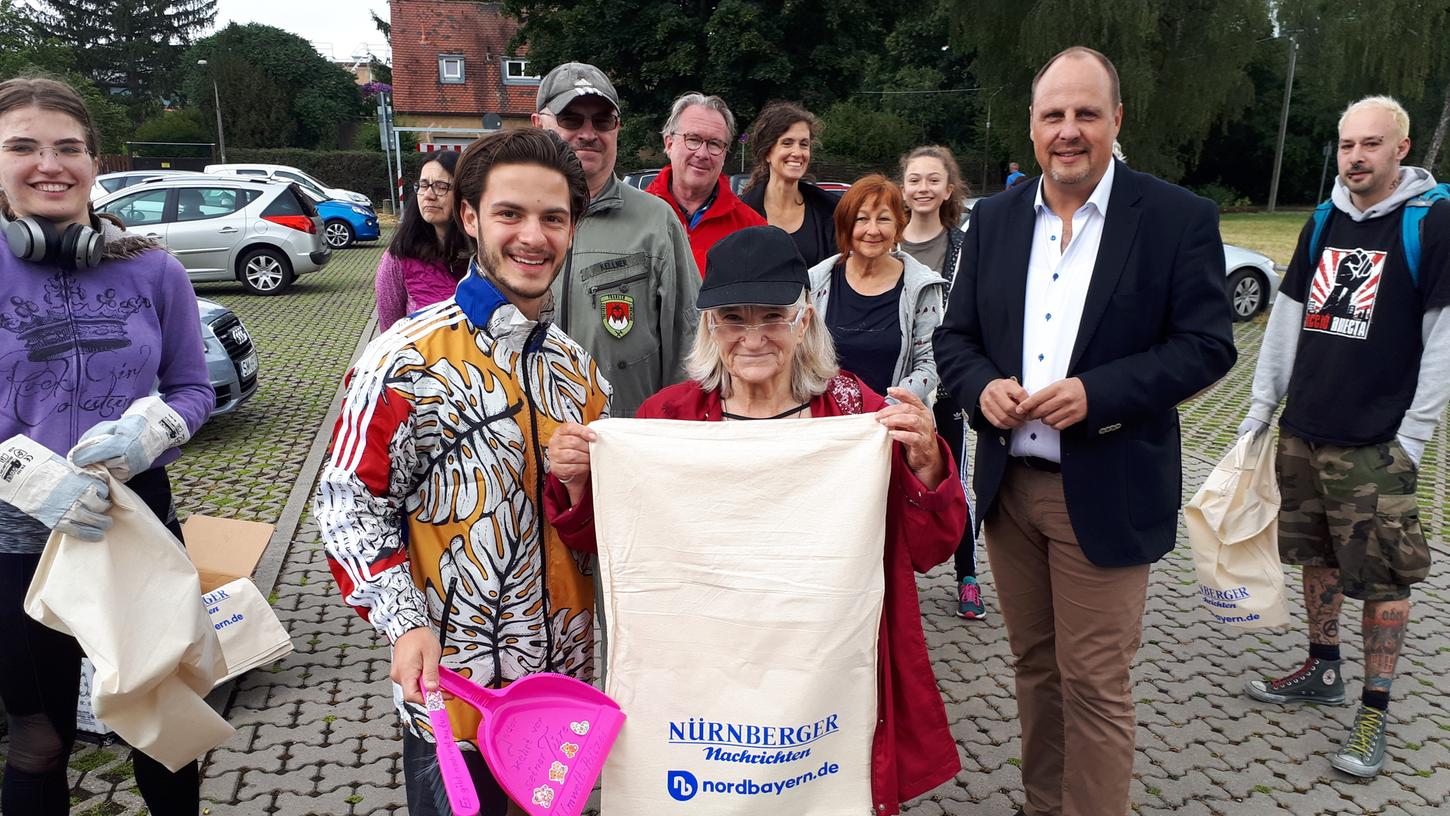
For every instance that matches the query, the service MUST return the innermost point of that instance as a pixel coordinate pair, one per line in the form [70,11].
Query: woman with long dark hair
[428,254]
[94,319]
[781,141]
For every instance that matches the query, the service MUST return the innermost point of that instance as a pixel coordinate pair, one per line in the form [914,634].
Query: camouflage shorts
[1352,509]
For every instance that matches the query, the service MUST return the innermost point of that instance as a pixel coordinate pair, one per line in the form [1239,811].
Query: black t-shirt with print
[1359,347]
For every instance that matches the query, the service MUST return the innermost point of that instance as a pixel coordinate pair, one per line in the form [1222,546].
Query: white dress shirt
[1057,285]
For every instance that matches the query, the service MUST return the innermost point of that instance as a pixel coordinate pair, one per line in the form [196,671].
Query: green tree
[129,45]
[1182,63]
[275,89]
[26,49]
[381,71]
[1396,47]
[748,51]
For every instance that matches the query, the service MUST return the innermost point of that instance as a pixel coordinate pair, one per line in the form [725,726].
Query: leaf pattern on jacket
[496,625]
[474,450]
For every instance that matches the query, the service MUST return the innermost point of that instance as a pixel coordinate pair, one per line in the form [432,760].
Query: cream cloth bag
[1233,525]
[134,603]
[742,578]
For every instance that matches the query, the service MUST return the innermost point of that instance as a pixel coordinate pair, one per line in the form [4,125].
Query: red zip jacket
[913,750]
[727,214]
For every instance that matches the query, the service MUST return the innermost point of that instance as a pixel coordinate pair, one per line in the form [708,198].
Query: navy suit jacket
[1156,329]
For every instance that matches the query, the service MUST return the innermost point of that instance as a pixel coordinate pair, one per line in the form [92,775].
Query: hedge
[362,171]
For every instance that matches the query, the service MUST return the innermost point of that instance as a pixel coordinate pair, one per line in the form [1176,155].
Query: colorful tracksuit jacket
[431,503]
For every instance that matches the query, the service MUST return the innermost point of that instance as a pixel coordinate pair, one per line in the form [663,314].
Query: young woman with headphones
[93,322]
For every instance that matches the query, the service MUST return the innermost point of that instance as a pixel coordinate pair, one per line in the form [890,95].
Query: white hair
[1384,103]
[812,365]
[693,98]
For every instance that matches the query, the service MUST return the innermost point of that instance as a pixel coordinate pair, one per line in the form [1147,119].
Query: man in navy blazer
[1089,303]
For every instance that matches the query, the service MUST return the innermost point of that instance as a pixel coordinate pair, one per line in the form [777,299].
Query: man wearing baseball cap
[627,291]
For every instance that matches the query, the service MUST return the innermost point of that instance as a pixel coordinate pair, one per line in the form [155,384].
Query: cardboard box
[224,550]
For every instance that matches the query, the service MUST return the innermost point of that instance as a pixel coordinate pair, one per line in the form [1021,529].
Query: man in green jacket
[627,293]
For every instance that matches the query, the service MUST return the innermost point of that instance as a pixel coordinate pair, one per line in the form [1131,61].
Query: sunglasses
[603,122]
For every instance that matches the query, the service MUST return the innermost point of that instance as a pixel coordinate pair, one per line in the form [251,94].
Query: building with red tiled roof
[452,67]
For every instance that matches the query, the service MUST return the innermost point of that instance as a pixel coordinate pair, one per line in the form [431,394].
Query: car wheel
[1246,289]
[338,234]
[265,272]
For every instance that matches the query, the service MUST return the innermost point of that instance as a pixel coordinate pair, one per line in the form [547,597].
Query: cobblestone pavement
[316,732]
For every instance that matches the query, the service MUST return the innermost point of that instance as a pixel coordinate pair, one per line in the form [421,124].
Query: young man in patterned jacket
[430,505]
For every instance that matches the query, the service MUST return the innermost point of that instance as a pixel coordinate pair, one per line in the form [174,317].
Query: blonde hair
[812,365]
[1385,103]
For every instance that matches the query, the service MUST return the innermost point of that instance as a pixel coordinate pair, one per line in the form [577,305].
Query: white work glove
[129,445]
[1250,425]
[53,491]
[1414,448]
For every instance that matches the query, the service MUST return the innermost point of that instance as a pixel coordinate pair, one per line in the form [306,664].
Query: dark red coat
[726,215]
[913,750]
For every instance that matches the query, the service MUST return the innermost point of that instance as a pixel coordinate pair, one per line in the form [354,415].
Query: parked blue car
[343,222]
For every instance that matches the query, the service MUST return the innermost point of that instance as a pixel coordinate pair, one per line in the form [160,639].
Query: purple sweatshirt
[78,347]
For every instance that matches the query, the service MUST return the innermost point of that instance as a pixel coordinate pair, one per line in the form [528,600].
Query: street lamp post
[220,137]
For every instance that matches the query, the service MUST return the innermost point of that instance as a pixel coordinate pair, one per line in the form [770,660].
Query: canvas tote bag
[247,628]
[742,579]
[133,602]
[1233,525]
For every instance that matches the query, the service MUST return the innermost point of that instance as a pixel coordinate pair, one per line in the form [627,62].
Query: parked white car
[291,174]
[111,182]
[1252,281]
[262,232]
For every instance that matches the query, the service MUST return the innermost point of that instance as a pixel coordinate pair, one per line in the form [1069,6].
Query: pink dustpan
[545,737]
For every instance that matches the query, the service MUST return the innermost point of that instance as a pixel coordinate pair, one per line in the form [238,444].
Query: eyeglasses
[777,329]
[693,142]
[603,122]
[439,188]
[66,153]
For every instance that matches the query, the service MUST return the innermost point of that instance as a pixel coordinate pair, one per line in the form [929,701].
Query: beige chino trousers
[1073,628]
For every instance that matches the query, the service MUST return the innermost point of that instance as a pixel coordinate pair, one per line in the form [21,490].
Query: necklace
[781,415]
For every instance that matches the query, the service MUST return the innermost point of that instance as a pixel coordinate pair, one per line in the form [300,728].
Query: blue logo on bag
[682,785]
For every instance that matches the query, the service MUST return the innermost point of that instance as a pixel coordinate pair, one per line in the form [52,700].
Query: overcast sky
[338,28]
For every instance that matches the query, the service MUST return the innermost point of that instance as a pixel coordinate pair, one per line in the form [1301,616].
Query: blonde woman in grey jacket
[880,305]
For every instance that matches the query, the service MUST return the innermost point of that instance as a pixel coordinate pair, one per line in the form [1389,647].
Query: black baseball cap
[753,266]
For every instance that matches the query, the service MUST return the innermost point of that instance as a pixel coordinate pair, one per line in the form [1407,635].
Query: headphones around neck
[39,240]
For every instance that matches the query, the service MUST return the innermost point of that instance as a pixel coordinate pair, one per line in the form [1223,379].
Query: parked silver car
[261,232]
[231,357]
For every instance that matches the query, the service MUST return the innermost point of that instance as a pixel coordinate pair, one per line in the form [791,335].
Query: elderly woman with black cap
[762,352]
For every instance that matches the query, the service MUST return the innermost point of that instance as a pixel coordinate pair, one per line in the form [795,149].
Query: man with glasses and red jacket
[697,137]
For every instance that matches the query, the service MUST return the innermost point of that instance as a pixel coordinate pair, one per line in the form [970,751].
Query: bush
[1225,197]
[867,136]
[185,125]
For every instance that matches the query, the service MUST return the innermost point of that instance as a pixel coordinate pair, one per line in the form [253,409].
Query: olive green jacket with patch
[627,293]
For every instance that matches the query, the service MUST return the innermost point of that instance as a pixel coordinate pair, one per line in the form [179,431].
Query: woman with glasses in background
[428,255]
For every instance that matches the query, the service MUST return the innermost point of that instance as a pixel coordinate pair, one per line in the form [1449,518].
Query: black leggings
[949,425]
[40,672]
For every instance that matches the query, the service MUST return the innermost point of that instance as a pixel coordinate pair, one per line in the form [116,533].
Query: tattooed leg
[1323,598]
[1384,632]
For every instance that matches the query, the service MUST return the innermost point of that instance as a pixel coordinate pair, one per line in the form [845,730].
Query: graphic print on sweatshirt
[69,331]
[1346,286]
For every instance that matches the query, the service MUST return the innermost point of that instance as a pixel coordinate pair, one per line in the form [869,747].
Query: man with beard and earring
[1088,303]
[431,502]
[627,292]
[1359,342]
